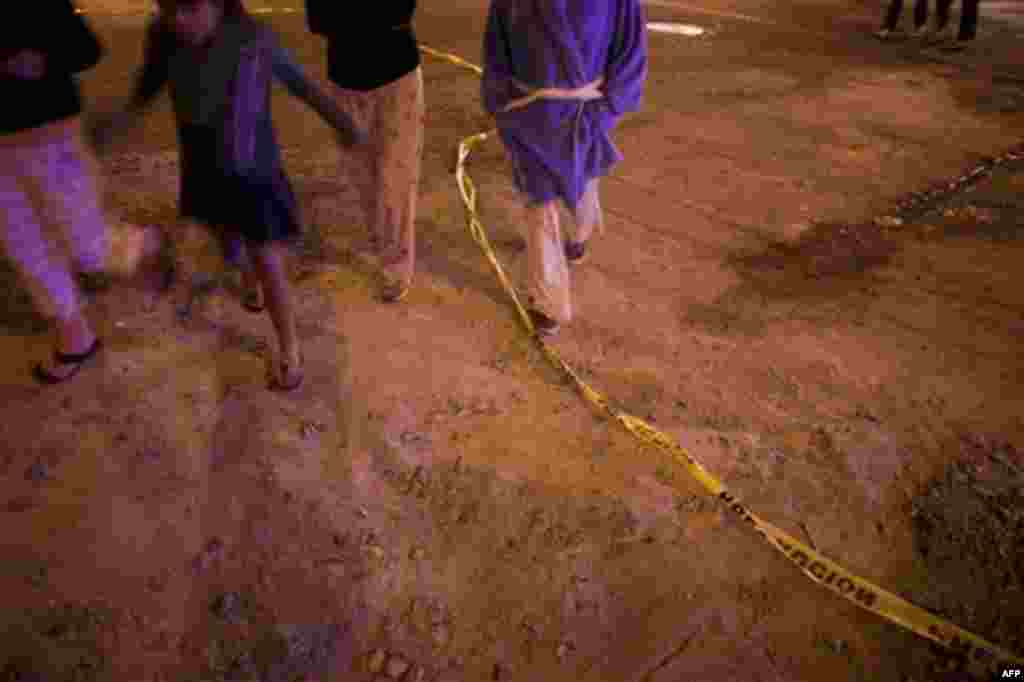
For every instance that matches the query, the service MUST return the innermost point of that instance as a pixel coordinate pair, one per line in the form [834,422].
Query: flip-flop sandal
[276,383]
[394,292]
[543,325]
[43,376]
[251,302]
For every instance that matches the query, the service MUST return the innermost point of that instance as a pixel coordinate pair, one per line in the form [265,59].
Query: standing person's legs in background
[968,22]
[890,25]
[50,211]
[940,31]
[399,148]
[920,17]
[892,18]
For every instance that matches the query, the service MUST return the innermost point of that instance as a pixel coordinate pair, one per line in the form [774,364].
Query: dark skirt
[259,208]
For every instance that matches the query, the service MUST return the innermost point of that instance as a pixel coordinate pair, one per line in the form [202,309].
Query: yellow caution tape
[978,652]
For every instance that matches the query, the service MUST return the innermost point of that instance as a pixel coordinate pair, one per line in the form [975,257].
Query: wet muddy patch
[61,643]
[968,528]
[837,254]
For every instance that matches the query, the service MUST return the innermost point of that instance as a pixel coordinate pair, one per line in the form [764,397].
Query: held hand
[350,136]
[101,129]
[28,65]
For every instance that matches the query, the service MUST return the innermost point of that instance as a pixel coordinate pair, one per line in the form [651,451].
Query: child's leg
[271,267]
[236,254]
[252,289]
[195,258]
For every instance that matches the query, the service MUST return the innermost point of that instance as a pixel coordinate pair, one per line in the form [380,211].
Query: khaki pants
[547,271]
[389,165]
[51,220]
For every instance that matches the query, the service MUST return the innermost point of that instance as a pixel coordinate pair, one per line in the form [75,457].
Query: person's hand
[99,132]
[101,129]
[350,136]
[28,65]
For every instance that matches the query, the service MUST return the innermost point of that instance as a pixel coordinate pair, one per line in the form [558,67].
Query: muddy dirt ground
[437,504]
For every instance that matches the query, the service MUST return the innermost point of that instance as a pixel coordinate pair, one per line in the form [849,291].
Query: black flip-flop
[275,382]
[78,359]
[543,325]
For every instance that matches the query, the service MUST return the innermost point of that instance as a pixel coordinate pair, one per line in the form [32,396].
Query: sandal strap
[285,366]
[68,358]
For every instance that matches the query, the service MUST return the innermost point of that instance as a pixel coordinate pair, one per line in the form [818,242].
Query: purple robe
[558,145]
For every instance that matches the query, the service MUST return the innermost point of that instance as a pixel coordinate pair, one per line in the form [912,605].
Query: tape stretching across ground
[979,653]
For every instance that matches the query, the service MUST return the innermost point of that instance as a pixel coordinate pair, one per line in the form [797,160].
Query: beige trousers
[51,219]
[547,272]
[389,165]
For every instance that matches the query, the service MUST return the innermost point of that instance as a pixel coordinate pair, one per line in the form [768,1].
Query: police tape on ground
[972,648]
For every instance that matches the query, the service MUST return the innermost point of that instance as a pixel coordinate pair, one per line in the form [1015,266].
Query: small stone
[149,454]
[376,551]
[888,221]
[375,662]
[37,473]
[214,549]
[396,667]
[502,672]
[440,634]
[229,607]
[437,614]
[417,553]
[562,651]
[409,437]
[362,513]
[416,674]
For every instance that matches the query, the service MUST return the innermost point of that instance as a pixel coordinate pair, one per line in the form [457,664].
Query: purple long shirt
[556,146]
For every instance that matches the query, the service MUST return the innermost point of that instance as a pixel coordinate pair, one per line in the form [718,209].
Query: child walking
[219,62]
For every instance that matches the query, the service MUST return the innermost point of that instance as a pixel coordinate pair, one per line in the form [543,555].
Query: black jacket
[367,48]
[53,28]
